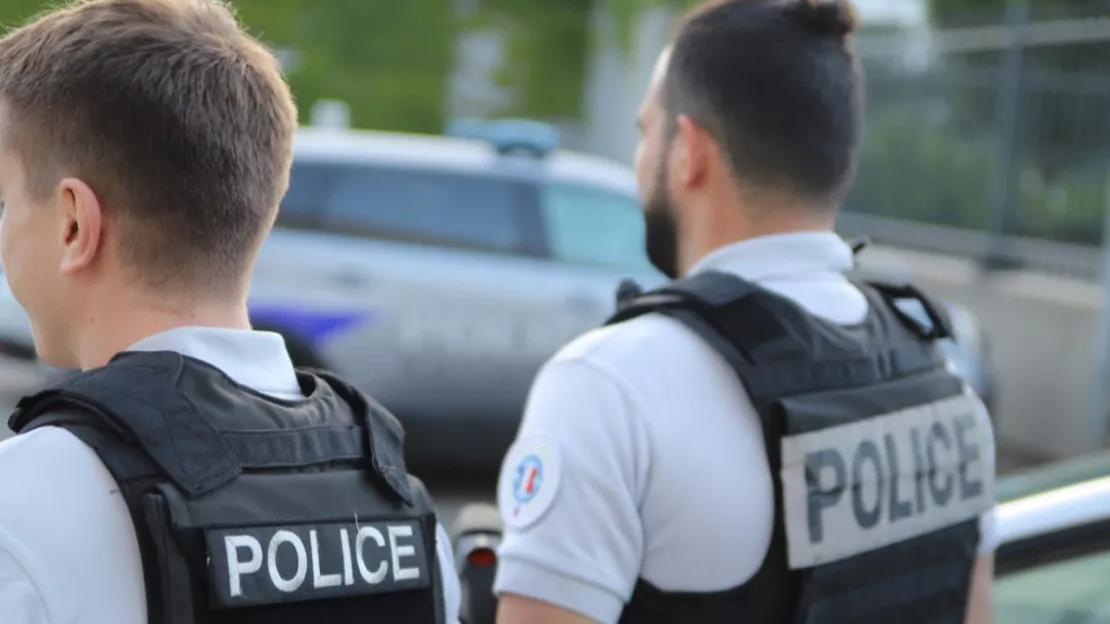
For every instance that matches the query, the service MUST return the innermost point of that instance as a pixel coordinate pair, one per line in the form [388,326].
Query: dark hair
[181,123]
[777,86]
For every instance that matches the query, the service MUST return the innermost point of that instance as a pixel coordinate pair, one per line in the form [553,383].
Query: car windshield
[405,203]
[1068,592]
[581,224]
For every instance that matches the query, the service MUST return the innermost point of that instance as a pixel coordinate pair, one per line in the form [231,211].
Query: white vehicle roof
[1054,510]
[466,155]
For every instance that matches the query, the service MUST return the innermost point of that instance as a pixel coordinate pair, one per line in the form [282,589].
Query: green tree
[550,44]
[1062,121]
[15,12]
[941,180]
[547,50]
[388,59]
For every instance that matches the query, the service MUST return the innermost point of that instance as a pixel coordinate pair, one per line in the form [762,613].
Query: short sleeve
[988,521]
[569,491]
[452,593]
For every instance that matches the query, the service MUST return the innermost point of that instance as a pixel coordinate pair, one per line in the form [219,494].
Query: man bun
[836,18]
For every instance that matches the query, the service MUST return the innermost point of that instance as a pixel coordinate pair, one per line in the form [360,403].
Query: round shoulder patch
[529,480]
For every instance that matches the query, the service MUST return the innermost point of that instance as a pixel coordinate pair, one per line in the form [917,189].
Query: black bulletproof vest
[253,510]
[876,452]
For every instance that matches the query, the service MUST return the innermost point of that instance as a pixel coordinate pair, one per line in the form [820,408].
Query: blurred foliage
[388,60]
[391,60]
[1063,120]
[546,54]
[946,179]
[550,45]
[627,12]
[944,13]
[16,12]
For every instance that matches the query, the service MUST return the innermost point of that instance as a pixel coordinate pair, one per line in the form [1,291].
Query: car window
[428,206]
[304,200]
[593,226]
[1070,591]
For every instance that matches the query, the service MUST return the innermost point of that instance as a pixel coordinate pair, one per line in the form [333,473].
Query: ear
[694,149]
[82,224]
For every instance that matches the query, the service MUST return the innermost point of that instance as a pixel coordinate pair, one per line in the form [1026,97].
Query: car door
[1054,566]
[418,268]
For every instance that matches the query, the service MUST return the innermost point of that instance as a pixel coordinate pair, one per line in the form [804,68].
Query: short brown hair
[180,122]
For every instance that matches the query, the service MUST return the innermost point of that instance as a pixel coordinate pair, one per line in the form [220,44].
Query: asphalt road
[450,493]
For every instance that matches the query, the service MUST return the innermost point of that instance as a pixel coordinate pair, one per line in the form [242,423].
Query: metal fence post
[1007,109]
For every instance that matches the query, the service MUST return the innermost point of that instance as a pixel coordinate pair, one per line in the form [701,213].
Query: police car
[439,272]
[1053,564]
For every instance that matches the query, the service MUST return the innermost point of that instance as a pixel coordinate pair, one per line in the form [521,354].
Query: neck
[115,326]
[732,225]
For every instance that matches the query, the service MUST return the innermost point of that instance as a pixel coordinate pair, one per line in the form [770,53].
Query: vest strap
[153,414]
[181,441]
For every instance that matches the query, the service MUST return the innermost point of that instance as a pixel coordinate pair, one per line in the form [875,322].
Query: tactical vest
[253,510]
[876,451]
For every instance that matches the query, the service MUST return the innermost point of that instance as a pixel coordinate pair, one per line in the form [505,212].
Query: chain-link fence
[994,124]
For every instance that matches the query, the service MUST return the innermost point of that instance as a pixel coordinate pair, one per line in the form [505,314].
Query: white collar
[255,359]
[780,255]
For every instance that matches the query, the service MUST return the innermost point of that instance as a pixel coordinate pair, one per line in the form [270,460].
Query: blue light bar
[509,135]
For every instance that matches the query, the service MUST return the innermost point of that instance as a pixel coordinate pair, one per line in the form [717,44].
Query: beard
[661,228]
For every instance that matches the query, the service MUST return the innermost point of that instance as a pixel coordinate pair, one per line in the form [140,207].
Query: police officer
[762,440]
[144,147]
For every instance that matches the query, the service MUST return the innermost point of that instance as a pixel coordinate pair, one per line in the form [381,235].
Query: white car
[1053,563]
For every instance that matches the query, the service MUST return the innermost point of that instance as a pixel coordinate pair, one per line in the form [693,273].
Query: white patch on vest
[859,487]
[529,481]
[277,564]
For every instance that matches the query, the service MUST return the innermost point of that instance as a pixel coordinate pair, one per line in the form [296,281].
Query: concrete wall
[1043,332]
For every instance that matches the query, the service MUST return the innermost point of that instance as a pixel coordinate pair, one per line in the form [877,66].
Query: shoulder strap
[123,460]
[383,433]
[939,325]
[133,471]
[182,442]
[709,289]
[711,303]
[769,340]
[141,405]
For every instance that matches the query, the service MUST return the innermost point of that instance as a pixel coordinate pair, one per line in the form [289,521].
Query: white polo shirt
[68,553]
[640,455]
